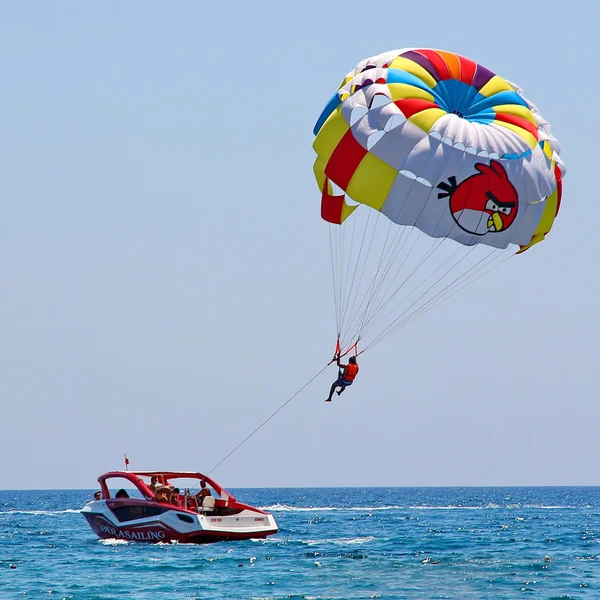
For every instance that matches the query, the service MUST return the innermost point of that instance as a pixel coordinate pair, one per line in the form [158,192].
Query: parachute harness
[338,351]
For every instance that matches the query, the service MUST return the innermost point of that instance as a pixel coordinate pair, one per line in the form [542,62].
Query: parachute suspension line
[268,419]
[381,259]
[360,279]
[457,286]
[381,290]
[391,328]
[362,313]
[374,320]
[340,271]
[424,282]
[401,238]
[434,246]
[368,324]
[393,221]
[341,274]
[356,263]
[338,246]
[346,279]
[341,237]
[338,261]
[389,255]
[436,300]
[335,292]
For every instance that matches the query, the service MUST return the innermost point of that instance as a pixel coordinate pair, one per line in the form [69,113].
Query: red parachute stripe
[412,106]
[344,160]
[467,69]
[331,206]
[557,174]
[438,62]
[519,122]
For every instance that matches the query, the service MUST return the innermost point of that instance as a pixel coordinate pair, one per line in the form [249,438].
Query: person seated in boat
[163,494]
[121,494]
[204,491]
[346,376]
[175,499]
[153,483]
[97,496]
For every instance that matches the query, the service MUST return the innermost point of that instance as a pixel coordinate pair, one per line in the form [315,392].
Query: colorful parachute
[444,149]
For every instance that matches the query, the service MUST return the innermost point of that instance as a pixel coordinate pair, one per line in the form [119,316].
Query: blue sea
[336,543]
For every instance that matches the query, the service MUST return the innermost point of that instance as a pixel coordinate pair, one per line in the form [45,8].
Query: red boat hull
[159,532]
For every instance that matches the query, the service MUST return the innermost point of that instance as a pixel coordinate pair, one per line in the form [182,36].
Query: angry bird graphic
[483,203]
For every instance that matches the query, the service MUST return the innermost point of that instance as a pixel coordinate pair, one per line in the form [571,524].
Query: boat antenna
[126,462]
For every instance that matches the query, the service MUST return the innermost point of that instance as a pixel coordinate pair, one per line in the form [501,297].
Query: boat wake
[489,506]
[51,513]
[113,542]
[288,508]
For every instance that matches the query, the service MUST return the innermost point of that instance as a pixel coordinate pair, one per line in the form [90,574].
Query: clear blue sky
[165,273]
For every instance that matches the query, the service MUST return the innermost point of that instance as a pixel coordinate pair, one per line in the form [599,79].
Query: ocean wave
[113,542]
[373,508]
[41,512]
[339,541]
[356,540]
[489,506]
[453,507]
[346,596]
[288,508]
[298,597]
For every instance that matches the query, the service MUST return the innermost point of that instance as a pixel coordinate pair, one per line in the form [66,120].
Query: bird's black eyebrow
[501,204]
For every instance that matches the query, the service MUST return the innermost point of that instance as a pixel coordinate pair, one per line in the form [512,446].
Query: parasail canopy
[443,149]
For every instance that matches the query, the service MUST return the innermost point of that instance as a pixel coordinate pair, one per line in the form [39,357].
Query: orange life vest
[350,372]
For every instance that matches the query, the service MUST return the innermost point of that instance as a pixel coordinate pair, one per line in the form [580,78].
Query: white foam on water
[373,508]
[288,508]
[41,512]
[489,506]
[545,506]
[113,542]
[356,540]
[451,507]
[338,541]
[305,597]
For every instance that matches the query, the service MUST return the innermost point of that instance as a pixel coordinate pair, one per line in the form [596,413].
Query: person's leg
[331,391]
[341,390]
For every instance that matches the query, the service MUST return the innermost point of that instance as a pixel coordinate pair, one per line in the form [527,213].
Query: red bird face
[485,202]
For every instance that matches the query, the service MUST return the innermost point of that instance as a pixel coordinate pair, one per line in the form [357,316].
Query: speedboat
[151,507]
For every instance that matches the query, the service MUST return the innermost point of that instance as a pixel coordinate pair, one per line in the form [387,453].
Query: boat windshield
[120,487]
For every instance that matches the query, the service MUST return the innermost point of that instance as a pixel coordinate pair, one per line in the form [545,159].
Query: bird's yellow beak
[495,222]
